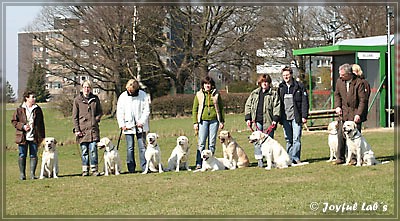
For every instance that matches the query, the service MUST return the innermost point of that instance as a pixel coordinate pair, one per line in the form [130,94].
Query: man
[350,101]
[294,112]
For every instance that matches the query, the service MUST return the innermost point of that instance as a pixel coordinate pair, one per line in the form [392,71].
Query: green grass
[242,192]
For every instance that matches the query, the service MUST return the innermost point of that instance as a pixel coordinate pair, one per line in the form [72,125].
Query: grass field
[252,192]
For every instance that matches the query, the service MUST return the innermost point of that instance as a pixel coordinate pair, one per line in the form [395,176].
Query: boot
[94,170]
[85,170]
[22,166]
[131,167]
[33,167]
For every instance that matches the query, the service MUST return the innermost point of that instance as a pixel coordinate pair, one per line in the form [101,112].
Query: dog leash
[267,131]
[119,138]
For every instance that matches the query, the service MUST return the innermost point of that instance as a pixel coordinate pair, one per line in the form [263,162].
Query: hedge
[181,105]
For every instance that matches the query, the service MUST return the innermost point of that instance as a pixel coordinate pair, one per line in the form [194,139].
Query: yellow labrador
[332,140]
[180,155]
[210,162]
[152,154]
[355,141]
[271,150]
[112,159]
[232,151]
[49,166]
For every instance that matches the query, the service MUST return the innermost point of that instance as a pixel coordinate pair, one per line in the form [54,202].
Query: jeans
[207,129]
[257,147]
[23,149]
[89,152]
[130,154]
[292,132]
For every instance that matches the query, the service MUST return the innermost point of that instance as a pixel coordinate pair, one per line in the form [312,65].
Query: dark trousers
[342,141]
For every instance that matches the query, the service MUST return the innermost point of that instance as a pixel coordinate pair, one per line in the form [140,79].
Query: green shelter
[371,54]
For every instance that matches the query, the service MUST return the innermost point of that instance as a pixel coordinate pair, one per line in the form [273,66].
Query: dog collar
[356,136]
[105,150]
[263,141]
[333,133]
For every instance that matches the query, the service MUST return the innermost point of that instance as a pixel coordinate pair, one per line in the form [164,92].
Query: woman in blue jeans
[208,115]
[294,112]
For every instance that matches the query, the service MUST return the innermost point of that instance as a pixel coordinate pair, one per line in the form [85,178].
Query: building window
[96,90]
[319,80]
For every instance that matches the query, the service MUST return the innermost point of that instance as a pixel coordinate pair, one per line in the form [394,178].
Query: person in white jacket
[133,112]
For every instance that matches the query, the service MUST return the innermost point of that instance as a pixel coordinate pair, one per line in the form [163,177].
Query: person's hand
[79,134]
[140,125]
[273,122]
[27,127]
[221,126]
[357,118]
[338,110]
[248,122]
[196,126]
[304,120]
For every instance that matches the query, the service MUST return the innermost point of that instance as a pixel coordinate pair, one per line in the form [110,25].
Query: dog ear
[157,136]
[229,134]
[55,141]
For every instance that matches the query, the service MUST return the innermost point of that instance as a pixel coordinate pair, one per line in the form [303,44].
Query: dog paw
[189,169]
[42,177]
[267,168]
[144,172]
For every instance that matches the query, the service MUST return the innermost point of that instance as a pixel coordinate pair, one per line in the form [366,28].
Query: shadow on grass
[382,158]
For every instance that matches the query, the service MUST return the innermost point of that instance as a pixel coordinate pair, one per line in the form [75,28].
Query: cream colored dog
[49,166]
[212,163]
[232,151]
[152,154]
[112,160]
[332,140]
[180,155]
[356,143]
[271,150]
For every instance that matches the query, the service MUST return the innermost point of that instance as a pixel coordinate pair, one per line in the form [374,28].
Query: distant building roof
[367,41]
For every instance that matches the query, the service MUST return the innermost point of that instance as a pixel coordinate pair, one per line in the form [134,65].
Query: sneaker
[353,162]
[95,173]
[298,162]
[260,163]
[198,167]
[85,173]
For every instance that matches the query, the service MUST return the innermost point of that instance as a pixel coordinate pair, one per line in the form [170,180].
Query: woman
[86,114]
[358,71]
[263,109]
[30,131]
[133,111]
[208,115]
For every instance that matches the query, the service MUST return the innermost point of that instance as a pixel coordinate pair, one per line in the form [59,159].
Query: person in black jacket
[294,112]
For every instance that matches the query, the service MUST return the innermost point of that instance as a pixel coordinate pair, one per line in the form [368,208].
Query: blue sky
[17,18]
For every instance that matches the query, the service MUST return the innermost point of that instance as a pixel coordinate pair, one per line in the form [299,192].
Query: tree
[37,83]
[10,95]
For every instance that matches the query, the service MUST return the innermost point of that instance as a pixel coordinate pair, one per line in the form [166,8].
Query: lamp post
[389,11]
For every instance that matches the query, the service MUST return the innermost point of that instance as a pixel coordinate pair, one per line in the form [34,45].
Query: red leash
[267,131]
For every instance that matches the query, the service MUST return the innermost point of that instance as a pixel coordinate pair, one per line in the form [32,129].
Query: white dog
[152,154]
[271,150]
[112,160]
[232,151]
[332,140]
[49,166]
[212,163]
[356,143]
[180,155]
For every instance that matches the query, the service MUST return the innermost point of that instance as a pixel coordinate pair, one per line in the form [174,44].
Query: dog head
[49,143]
[105,142]
[257,137]
[206,154]
[151,138]
[369,158]
[333,127]
[182,141]
[224,135]
[350,128]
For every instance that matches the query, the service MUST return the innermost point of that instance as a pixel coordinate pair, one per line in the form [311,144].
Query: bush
[168,106]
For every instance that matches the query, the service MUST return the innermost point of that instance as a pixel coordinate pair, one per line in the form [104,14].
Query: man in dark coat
[350,101]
